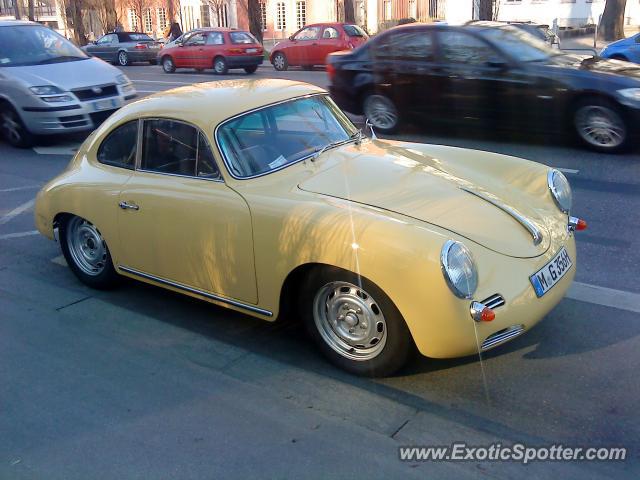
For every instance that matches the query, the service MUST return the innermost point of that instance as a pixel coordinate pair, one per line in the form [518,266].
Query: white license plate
[105,104]
[545,278]
[251,50]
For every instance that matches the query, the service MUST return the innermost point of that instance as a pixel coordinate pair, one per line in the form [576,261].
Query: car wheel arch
[584,95]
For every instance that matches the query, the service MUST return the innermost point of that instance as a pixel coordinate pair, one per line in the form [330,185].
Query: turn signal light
[487,314]
[581,225]
[481,313]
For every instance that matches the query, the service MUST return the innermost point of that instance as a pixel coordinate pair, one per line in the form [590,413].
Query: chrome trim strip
[210,296]
[502,336]
[520,218]
[494,301]
[552,188]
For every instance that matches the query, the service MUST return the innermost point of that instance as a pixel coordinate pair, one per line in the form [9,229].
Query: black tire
[123,59]
[397,346]
[280,62]
[307,67]
[13,129]
[107,277]
[373,105]
[251,69]
[220,66]
[167,64]
[619,57]
[153,62]
[601,125]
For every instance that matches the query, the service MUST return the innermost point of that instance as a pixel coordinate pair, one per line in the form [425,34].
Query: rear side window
[119,148]
[242,37]
[330,32]
[354,31]
[215,38]
[416,45]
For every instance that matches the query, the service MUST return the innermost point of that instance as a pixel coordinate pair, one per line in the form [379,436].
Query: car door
[194,52]
[100,49]
[179,222]
[332,40]
[304,47]
[214,46]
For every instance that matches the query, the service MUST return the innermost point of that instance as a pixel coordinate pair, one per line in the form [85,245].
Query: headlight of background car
[459,269]
[560,190]
[630,93]
[122,80]
[51,93]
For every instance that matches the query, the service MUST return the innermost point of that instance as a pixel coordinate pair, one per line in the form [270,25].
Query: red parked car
[218,48]
[310,45]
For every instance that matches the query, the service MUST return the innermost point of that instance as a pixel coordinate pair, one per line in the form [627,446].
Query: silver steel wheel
[86,246]
[11,127]
[167,65]
[600,126]
[219,66]
[279,61]
[381,112]
[350,321]
[123,59]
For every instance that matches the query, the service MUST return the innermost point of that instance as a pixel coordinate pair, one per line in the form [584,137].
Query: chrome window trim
[226,162]
[531,227]
[200,132]
[202,293]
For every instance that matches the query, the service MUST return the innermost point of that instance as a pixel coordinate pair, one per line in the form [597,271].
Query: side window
[309,33]
[119,148]
[215,38]
[105,40]
[205,164]
[169,147]
[195,39]
[408,45]
[330,33]
[460,47]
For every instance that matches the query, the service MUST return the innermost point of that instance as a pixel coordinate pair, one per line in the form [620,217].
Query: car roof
[15,23]
[207,104]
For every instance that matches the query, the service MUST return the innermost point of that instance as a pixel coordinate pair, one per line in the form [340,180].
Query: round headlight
[459,269]
[560,190]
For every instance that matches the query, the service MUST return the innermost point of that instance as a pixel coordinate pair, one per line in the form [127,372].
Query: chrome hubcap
[123,58]
[381,111]
[350,321]
[278,61]
[86,246]
[600,126]
[167,64]
[219,66]
[11,128]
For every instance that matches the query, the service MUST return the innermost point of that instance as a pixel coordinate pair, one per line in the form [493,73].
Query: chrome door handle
[127,205]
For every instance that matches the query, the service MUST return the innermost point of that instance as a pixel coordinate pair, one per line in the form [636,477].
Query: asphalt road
[144,383]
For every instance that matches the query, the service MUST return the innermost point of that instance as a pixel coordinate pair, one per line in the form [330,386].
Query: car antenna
[368,124]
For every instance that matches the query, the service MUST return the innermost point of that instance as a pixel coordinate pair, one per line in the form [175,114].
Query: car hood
[461,200]
[67,75]
[596,65]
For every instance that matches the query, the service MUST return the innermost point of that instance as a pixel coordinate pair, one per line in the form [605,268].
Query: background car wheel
[280,62]
[153,62]
[251,69]
[220,66]
[601,125]
[619,57]
[13,129]
[87,253]
[354,323]
[123,59]
[381,112]
[167,65]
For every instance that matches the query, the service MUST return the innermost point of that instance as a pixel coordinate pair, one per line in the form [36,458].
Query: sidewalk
[586,41]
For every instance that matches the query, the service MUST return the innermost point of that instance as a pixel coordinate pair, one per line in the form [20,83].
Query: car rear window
[134,37]
[242,37]
[354,31]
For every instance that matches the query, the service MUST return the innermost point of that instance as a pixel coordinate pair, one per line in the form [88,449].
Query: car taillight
[331,71]
[140,46]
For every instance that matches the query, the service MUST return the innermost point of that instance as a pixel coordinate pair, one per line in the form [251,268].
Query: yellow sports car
[263,197]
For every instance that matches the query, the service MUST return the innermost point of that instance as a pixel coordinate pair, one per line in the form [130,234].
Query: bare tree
[217,6]
[171,7]
[107,13]
[254,13]
[349,11]
[16,10]
[612,23]
[485,10]
[71,12]
[31,10]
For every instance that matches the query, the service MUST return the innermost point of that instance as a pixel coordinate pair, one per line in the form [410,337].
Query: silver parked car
[50,86]
[125,48]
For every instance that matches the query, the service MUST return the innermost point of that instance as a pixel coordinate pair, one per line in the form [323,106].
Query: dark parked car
[487,76]
[125,48]
[538,30]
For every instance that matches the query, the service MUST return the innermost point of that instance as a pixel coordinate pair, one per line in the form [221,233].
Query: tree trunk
[31,11]
[612,24]
[16,10]
[349,12]
[255,20]
[78,25]
[171,11]
[485,10]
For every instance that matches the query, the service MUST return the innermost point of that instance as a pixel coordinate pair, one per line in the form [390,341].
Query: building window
[162,19]
[387,9]
[413,11]
[205,15]
[263,16]
[281,20]
[148,22]
[133,20]
[301,14]
[225,16]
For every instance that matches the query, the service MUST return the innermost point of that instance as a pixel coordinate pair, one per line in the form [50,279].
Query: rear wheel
[167,65]
[354,323]
[123,58]
[251,69]
[280,62]
[13,129]
[87,253]
[220,66]
[381,112]
[601,125]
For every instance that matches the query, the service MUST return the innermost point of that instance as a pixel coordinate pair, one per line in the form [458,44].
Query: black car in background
[488,76]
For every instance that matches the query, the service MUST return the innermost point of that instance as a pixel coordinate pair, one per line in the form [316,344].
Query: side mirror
[291,38]
[180,44]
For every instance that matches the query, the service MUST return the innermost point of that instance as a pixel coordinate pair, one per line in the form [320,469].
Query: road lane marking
[607,297]
[567,170]
[19,234]
[17,211]
[15,189]
[165,83]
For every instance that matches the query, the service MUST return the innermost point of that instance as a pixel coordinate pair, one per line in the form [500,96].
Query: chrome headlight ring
[459,269]
[560,190]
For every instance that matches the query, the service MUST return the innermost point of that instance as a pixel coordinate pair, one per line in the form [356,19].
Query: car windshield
[519,44]
[35,45]
[276,136]
[242,37]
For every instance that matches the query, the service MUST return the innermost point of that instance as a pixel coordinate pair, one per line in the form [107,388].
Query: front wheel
[87,253]
[123,59]
[381,112]
[220,66]
[251,69]
[13,129]
[280,62]
[356,325]
[167,65]
[601,125]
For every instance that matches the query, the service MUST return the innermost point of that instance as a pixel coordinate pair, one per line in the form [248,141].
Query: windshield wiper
[356,136]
